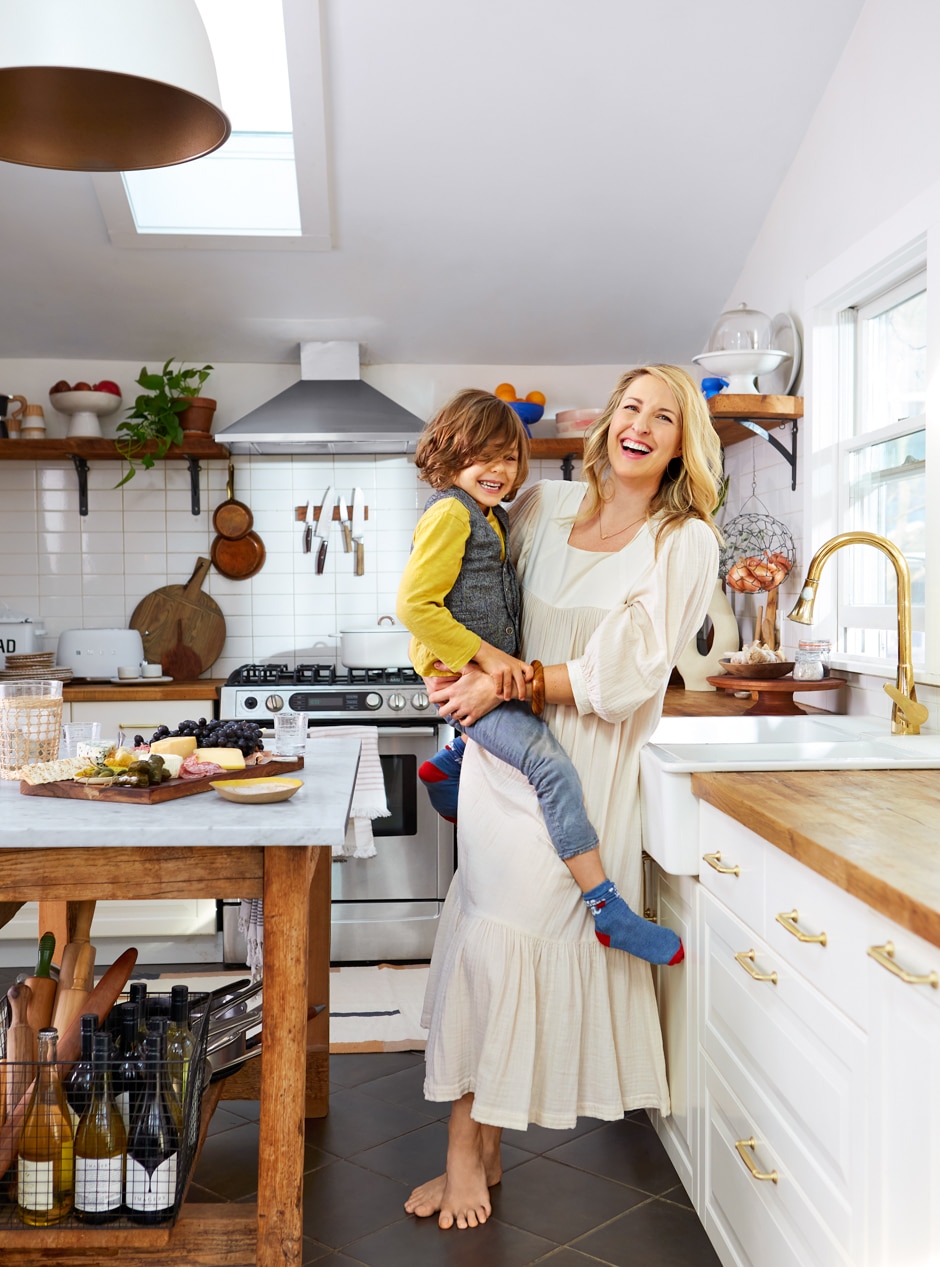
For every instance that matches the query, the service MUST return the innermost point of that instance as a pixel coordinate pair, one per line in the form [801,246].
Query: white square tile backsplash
[67,571]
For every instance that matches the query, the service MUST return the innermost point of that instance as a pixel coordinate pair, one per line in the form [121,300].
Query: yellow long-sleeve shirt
[432,569]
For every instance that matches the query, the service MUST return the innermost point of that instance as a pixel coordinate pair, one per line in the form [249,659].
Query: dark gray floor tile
[344,1202]
[421,1243]
[540,1139]
[224,1119]
[568,1257]
[679,1196]
[406,1088]
[356,1122]
[348,1069]
[558,1202]
[203,1196]
[228,1163]
[335,1259]
[656,1234]
[622,1151]
[249,1110]
[313,1252]
[411,1158]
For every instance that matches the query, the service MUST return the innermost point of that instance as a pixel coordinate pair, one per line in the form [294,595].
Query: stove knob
[420,701]
[396,702]
[373,700]
[274,703]
[249,702]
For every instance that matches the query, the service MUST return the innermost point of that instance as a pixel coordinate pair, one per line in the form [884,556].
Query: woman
[530,1019]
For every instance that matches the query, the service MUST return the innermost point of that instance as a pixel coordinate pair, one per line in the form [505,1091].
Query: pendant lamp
[106,85]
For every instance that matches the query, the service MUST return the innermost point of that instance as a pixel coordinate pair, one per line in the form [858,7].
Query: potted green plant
[159,414]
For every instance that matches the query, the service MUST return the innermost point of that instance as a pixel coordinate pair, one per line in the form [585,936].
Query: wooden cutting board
[172,790]
[178,615]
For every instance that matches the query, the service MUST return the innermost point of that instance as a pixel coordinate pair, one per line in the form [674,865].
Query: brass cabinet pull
[788,920]
[885,956]
[714,860]
[744,1147]
[746,959]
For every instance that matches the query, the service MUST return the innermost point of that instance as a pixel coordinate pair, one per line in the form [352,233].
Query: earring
[674,467]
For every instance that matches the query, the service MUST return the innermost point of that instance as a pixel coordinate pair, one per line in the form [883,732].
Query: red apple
[106,385]
[82,387]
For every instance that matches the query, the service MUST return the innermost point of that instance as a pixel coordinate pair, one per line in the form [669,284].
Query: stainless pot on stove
[380,646]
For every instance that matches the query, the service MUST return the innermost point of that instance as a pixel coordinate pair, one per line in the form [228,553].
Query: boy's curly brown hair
[472,427]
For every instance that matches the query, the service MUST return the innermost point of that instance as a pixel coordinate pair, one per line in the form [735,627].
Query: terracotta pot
[198,414]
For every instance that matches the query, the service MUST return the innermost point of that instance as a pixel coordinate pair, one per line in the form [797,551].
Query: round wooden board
[774,695]
[160,616]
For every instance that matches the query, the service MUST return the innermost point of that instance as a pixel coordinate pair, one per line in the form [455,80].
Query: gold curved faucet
[907,715]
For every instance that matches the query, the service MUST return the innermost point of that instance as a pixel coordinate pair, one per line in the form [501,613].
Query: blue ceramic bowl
[527,411]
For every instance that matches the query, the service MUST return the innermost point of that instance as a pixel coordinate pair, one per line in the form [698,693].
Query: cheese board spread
[261,765]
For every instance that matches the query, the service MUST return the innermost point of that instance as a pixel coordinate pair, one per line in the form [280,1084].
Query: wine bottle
[152,1147]
[180,1041]
[80,1082]
[100,1145]
[157,1027]
[137,993]
[45,1158]
[129,1069]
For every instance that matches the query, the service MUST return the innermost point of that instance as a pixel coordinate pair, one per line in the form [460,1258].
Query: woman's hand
[509,674]
[466,698]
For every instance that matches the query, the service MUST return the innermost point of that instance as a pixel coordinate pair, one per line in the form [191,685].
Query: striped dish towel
[368,802]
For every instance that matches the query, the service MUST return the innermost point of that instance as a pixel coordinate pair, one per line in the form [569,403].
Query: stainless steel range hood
[330,410]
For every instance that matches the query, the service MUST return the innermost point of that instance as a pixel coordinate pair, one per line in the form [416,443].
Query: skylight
[249,185]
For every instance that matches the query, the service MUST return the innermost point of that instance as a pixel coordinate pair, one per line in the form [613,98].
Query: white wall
[870,150]
[68,571]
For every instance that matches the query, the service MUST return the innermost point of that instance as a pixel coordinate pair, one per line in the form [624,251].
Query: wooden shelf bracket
[788,455]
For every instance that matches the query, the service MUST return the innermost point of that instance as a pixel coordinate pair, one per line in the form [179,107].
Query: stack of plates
[27,666]
[575,422]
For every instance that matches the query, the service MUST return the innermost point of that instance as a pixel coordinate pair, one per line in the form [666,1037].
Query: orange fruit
[535,398]
[506,391]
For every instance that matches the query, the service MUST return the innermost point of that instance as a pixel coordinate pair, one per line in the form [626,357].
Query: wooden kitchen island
[60,851]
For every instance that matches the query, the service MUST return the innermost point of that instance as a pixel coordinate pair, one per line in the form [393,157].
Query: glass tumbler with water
[290,733]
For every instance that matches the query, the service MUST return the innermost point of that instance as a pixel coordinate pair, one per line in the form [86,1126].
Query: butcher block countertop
[97,692]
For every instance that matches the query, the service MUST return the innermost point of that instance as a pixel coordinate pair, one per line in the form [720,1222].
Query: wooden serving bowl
[754,672]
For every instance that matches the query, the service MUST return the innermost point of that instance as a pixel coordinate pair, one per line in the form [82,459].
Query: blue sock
[441,777]
[615,925]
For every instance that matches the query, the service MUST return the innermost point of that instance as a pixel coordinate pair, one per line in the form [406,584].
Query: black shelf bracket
[81,470]
[788,455]
[194,469]
[567,465]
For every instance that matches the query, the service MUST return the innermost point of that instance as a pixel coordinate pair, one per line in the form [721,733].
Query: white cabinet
[139,716]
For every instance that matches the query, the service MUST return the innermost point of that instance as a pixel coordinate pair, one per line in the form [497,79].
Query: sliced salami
[193,769]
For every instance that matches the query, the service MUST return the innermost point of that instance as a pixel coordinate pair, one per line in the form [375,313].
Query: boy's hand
[509,675]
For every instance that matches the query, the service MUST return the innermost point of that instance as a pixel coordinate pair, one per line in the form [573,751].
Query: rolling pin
[21,1047]
[72,996]
[43,986]
[100,1001]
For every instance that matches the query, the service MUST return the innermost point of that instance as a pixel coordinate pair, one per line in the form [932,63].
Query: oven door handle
[402,730]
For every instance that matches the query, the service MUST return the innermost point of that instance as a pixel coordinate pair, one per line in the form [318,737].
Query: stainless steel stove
[258,691]
[386,907]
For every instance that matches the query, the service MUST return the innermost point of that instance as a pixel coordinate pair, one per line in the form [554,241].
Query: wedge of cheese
[171,763]
[180,745]
[227,758]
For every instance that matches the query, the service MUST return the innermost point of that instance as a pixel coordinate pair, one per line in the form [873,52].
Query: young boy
[459,596]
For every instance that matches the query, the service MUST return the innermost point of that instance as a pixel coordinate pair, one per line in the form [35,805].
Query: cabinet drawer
[758,1222]
[813,907]
[732,865]
[796,1064]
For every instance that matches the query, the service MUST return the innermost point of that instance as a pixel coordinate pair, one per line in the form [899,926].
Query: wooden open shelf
[767,411]
[103,450]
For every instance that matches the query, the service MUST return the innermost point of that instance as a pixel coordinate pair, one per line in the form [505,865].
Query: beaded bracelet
[538,687]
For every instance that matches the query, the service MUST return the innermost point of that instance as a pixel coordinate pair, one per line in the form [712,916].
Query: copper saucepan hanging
[237,552]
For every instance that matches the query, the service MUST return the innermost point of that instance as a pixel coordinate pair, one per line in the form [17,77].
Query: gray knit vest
[485,596]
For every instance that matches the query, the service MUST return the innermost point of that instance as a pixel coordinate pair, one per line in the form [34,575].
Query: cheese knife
[345,524]
[322,526]
[308,528]
[358,529]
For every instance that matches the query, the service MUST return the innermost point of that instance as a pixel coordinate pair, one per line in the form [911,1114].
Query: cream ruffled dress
[524,1006]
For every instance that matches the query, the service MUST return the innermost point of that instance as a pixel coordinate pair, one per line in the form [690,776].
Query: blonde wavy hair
[691,485]
[472,427]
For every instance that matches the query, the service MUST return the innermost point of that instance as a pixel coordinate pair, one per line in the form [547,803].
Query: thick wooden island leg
[287,874]
[318,985]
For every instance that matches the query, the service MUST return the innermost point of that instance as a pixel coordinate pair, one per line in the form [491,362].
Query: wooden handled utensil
[43,987]
[100,1001]
[84,913]
[70,1001]
[22,1047]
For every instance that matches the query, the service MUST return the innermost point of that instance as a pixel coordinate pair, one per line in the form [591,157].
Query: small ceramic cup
[151,670]
[128,671]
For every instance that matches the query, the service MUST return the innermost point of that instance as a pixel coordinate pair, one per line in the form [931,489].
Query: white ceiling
[511,182]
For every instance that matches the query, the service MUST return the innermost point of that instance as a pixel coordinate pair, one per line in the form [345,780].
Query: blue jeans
[515,735]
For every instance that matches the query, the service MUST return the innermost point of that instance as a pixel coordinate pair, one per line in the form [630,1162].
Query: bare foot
[466,1197]
[426,1198]
[461,1194]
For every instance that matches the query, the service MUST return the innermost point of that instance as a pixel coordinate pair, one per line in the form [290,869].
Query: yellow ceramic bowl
[256,791]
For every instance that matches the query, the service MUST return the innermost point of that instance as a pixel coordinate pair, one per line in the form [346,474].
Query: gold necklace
[607,536]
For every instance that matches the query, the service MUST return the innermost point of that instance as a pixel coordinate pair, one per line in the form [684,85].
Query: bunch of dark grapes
[245,735]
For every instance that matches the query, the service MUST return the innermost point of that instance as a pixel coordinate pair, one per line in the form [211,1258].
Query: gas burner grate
[321,674]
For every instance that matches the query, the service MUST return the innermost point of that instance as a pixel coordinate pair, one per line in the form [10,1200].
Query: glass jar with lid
[812,660]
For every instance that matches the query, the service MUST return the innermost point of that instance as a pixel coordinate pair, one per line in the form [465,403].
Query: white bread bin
[96,653]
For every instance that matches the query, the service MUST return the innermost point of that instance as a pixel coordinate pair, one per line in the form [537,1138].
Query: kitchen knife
[322,527]
[358,528]
[345,524]
[308,529]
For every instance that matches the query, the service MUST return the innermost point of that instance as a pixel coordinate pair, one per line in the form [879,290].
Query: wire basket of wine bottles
[112,1137]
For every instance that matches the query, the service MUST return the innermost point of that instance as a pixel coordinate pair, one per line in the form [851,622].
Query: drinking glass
[30,724]
[290,733]
[80,732]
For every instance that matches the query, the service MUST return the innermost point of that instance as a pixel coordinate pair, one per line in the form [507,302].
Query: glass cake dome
[739,349]
[740,329]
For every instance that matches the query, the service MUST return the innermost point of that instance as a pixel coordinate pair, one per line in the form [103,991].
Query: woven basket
[30,730]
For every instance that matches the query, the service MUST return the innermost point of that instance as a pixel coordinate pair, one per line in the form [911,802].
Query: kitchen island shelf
[82,449]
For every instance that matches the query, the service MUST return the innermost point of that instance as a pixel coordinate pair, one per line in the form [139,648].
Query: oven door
[387,907]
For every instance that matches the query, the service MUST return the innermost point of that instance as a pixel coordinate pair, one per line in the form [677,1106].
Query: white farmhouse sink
[682,745]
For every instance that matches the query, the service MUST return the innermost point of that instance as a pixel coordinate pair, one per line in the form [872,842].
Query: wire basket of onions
[758,553]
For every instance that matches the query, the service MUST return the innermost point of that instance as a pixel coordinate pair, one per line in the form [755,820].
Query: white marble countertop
[316,815]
